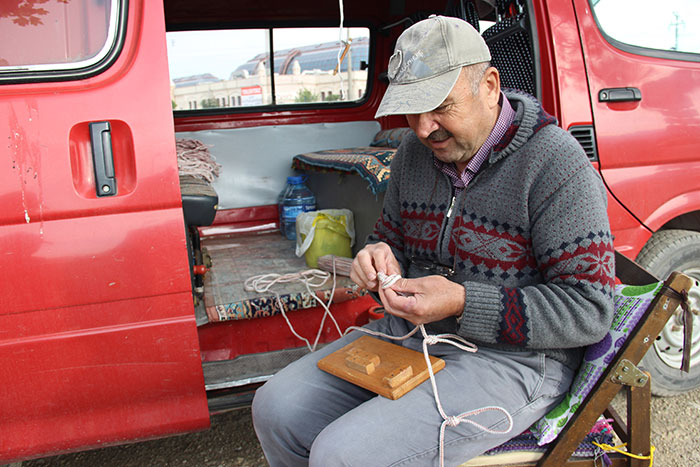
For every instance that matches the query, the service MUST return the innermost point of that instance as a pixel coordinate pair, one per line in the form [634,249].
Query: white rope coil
[263,283]
[311,278]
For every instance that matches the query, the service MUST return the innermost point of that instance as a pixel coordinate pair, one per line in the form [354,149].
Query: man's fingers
[397,304]
[369,261]
[358,271]
[405,286]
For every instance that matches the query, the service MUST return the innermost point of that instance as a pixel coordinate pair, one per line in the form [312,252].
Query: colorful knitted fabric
[371,163]
[527,441]
[528,238]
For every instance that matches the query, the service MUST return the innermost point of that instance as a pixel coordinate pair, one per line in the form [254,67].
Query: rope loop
[456,341]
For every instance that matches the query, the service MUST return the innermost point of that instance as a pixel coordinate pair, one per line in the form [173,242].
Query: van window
[670,25]
[50,35]
[217,69]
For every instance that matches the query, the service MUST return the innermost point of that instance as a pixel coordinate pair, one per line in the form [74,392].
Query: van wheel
[668,251]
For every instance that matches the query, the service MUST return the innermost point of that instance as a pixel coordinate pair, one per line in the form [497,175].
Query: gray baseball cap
[426,64]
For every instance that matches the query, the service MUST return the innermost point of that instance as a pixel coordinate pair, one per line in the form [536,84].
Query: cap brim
[417,97]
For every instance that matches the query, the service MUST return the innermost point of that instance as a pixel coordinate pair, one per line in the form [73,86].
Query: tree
[24,12]
[332,97]
[304,95]
[209,103]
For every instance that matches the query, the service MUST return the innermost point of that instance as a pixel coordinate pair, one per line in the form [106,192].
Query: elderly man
[497,223]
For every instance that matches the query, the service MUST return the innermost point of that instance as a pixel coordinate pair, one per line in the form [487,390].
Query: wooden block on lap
[398,376]
[362,360]
[379,366]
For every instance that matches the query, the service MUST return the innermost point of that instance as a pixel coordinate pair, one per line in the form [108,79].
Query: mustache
[439,135]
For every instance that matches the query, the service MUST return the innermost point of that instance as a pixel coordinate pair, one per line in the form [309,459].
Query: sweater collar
[529,118]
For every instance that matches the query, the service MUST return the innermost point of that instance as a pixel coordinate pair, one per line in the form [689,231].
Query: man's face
[456,129]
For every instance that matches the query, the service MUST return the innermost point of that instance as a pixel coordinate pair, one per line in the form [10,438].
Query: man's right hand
[373,258]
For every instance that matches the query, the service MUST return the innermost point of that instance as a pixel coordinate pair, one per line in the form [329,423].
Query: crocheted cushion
[630,304]
[601,433]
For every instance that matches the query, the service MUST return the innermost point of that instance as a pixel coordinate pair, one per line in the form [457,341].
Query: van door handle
[103,159]
[619,95]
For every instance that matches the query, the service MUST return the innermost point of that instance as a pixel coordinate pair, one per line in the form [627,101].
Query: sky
[652,23]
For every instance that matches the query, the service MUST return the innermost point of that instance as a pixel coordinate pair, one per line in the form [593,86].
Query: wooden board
[379,366]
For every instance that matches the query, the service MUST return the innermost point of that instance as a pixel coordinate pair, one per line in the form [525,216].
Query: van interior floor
[235,259]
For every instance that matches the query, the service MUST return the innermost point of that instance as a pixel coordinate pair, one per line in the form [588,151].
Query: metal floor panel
[248,369]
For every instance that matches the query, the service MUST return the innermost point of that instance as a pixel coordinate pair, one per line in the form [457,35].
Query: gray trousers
[304,416]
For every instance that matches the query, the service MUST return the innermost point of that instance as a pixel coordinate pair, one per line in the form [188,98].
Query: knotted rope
[432,339]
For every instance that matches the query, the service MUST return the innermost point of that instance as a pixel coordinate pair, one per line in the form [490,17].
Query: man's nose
[423,124]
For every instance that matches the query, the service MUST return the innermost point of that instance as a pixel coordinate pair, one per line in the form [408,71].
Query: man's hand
[424,300]
[373,258]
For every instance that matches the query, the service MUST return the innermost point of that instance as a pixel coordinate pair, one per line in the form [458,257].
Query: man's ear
[492,81]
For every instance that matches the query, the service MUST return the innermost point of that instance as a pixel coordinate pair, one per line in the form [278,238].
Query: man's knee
[353,442]
[333,446]
[270,411]
[260,409]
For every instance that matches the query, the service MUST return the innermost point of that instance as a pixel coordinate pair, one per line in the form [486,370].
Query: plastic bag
[325,232]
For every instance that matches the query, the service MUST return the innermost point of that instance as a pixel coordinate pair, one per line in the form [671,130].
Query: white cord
[310,278]
[428,339]
[316,278]
[342,48]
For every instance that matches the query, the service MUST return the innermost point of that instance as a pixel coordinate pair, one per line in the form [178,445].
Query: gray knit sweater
[529,238]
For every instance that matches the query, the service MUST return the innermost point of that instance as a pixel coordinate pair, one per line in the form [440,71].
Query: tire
[668,251]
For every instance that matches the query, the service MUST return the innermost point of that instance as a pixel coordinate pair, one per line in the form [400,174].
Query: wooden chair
[621,374]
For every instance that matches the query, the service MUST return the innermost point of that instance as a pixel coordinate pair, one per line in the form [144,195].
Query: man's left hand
[424,300]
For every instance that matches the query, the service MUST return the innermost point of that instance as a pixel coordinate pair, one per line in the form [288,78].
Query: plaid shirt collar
[505,119]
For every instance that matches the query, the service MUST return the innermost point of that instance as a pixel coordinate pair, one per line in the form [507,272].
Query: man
[497,222]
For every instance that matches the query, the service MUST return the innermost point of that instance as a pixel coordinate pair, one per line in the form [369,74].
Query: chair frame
[636,430]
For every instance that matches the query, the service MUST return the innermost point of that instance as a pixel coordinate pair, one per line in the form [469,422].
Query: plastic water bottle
[280,200]
[297,199]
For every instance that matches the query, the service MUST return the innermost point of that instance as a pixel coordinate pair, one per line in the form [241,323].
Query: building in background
[301,75]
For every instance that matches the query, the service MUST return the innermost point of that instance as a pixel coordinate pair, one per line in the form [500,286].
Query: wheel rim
[669,344]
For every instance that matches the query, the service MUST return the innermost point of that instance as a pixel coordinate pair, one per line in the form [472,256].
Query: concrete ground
[231,442]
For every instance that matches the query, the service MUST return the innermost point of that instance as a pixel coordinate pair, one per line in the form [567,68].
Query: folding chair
[621,373]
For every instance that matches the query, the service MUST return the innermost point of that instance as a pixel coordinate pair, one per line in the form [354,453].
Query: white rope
[316,278]
[310,278]
[452,339]
[343,44]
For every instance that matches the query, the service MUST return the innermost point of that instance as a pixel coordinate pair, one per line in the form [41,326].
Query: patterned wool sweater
[529,237]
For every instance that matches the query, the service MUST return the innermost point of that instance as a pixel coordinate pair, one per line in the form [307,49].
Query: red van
[145,143]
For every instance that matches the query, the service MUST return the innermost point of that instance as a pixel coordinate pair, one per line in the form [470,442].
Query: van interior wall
[255,162]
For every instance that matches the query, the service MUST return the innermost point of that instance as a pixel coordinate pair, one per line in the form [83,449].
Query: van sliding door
[98,341]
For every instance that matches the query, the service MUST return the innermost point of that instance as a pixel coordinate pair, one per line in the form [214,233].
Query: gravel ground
[231,442]
[675,429]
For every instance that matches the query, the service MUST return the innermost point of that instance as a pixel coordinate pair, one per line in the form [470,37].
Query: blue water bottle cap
[295,179]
